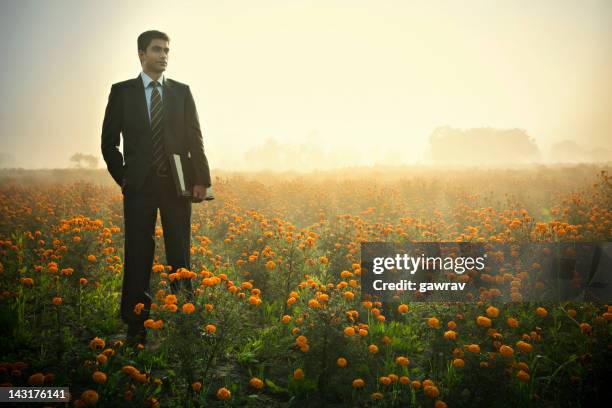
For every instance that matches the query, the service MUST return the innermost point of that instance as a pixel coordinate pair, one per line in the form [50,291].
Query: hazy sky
[359,80]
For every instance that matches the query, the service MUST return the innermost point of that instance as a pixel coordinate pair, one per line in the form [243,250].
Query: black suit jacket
[126,113]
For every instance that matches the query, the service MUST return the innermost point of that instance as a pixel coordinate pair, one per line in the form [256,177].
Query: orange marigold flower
[286,319]
[473,348]
[349,295]
[384,380]
[440,404]
[138,308]
[170,300]
[158,268]
[99,377]
[270,265]
[83,281]
[57,301]
[140,377]
[458,363]
[542,312]
[403,308]
[97,343]
[393,377]
[101,359]
[506,351]
[210,328]
[67,271]
[256,383]
[341,362]
[358,383]
[483,321]
[524,346]
[298,374]
[52,267]
[196,386]
[492,311]
[512,322]
[376,396]
[36,379]
[433,322]
[188,308]
[349,331]
[224,394]
[373,348]
[313,303]
[323,260]
[130,370]
[90,397]
[431,391]
[522,375]
[91,258]
[450,335]
[403,361]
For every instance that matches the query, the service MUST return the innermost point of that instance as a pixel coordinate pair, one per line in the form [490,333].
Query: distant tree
[81,160]
[568,151]
[482,146]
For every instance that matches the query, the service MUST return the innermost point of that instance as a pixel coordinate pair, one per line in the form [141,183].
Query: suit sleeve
[195,142]
[111,130]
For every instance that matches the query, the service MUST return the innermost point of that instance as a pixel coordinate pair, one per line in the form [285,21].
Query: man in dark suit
[157,117]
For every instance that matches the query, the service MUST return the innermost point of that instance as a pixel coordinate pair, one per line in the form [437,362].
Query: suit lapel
[169,100]
[140,100]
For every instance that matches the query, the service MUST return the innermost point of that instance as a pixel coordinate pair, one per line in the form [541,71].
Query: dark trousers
[140,217]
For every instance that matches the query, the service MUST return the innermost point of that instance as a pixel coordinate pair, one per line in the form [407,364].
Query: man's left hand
[199,192]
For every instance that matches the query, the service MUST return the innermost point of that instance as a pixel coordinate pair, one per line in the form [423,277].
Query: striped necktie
[157,126]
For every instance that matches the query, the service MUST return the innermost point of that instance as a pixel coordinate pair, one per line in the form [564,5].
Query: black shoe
[136,334]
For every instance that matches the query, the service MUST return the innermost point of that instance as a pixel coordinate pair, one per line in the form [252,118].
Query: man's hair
[145,38]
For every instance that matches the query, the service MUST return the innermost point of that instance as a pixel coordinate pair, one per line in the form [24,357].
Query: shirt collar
[146,80]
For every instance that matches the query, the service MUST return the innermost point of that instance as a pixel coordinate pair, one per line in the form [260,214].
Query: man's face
[156,56]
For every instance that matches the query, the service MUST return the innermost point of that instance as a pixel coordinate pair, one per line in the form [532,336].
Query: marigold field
[278,318]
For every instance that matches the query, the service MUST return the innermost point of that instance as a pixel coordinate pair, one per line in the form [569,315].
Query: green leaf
[275,388]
